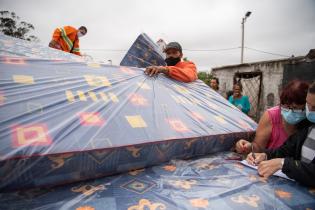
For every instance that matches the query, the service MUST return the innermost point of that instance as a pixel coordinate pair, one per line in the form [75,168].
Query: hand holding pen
[255,158]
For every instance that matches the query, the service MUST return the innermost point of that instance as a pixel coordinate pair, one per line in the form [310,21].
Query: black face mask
[172,61]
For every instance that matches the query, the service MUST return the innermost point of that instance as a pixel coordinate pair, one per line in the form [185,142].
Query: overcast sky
[283,27]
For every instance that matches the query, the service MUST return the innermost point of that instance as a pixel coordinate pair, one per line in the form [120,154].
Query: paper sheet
[279,173]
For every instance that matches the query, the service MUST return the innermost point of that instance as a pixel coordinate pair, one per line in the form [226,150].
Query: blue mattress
[64,120]
[215,182]
[143,52]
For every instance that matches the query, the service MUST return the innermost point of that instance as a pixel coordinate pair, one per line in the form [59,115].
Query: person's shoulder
[187,63]
[70,28]
[274,114]
[304,125]
[274,108]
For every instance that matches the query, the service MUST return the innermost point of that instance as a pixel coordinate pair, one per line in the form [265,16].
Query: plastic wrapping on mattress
[215,182]
[66,121]
[10,46]
[143,52]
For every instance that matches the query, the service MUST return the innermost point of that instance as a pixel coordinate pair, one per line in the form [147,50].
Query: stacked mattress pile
[64,120]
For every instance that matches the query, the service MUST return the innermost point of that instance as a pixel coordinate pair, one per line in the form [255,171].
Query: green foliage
[205,77]
[11,25]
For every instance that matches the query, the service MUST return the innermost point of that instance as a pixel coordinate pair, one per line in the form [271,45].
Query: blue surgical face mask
[310,114]
[292,117]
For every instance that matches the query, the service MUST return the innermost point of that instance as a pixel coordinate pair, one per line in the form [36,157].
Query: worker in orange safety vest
[67,39]
[184,71]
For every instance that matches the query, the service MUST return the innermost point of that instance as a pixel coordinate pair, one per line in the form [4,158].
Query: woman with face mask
[296,157]
[279,122]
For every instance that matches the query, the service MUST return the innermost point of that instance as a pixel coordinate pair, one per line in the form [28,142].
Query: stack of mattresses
[67,121]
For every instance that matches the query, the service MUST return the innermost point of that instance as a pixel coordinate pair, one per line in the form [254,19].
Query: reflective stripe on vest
[76,50]
[66,38]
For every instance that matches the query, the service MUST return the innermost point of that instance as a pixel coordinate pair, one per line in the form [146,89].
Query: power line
[199,50]
[208,50]
[270,53]
[193,50]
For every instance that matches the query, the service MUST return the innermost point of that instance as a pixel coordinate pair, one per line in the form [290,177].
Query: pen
[253,154]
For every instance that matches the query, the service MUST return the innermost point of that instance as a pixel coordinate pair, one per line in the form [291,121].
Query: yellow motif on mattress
[2,98]
[206,166]
[283,194]
[88,189]
[58,160]
[181,89]
[85,208]
[220,119]
[136,121]
[136,172]
[97,81]
[23,79]
[251,200]
[91,95]
[169,168]
[145,204]
[181,100]
[199,203]
[254,178]
[143,85]
[135,152]
[94,65]
[184,184]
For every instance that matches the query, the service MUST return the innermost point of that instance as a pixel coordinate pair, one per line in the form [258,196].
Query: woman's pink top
[278,135]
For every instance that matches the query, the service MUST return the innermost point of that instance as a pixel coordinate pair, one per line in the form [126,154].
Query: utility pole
[243,27]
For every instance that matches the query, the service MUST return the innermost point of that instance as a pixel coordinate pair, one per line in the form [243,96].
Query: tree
[205,77]
[11,25]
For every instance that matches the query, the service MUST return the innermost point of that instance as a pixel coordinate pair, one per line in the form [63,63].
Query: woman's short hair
[294,92]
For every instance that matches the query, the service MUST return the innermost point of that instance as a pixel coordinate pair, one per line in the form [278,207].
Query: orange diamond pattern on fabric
[177,125]
[30,135]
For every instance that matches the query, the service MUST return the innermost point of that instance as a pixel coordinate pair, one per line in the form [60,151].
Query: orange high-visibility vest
[184,71]
[66,37]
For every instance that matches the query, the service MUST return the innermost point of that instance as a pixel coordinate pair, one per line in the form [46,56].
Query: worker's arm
[76,48]
[262,137]
[56,35]
[54,43]
[185,72]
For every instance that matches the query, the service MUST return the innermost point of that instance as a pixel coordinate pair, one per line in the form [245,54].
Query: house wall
[272,80]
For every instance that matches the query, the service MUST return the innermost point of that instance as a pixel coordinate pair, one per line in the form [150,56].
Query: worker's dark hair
[311,89]
[84,28]
[216,79]
[294,92]
[240,85]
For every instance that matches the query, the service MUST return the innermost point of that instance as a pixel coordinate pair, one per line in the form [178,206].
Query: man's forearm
[163,70]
